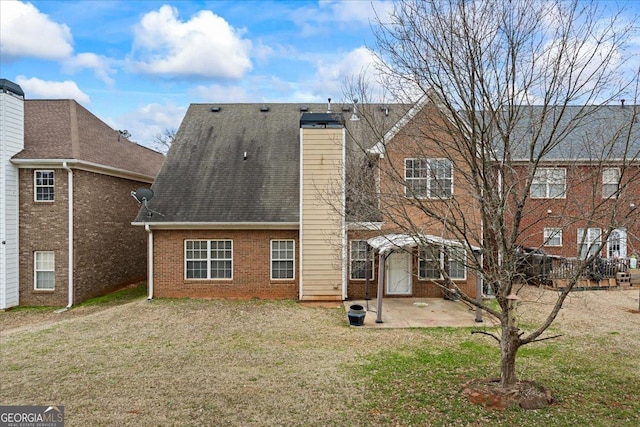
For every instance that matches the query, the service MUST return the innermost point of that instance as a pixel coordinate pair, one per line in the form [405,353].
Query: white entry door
[398,276]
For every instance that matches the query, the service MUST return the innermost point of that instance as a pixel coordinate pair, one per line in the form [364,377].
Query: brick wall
[251,265]
[582,207]
[43,227]
[108,251]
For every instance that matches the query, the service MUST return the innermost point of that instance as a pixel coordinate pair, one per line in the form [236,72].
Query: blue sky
[137,65]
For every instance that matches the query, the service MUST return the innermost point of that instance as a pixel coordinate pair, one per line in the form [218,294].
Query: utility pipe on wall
[149,262]
[70,232]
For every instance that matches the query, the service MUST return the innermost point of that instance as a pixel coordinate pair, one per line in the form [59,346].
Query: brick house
[264,201]
[586,191]
[66,204]
[251,203]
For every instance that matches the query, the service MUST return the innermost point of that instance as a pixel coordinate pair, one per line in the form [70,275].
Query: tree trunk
[509,346]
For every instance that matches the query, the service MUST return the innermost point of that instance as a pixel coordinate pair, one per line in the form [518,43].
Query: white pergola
[389,242]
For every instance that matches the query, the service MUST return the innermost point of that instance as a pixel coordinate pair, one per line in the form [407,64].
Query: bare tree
[513,92]
[163,140]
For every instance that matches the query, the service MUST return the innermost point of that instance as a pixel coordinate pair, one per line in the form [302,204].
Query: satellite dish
[143,194]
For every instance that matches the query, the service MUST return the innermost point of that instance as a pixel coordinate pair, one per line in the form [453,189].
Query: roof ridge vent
[264,108]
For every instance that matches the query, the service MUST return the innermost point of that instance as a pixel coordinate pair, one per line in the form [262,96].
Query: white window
[428,178]
[610,182]
[617,244]
[430,264]
[208,259]
[434,260]
[549,183]
[43,185]
[358,260]
[282,259]
[553,237]
[589,241]
[44,270]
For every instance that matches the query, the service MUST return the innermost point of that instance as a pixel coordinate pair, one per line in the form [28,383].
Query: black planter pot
[356,315]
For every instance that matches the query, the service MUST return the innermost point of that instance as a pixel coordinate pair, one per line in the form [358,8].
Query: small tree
[506,86]
[163,140]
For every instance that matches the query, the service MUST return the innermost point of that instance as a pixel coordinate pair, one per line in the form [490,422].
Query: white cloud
[145,122]
[101,66]
[204,46]
[26,32]
[35,88]
[332,76]
[223,93]
[318,20]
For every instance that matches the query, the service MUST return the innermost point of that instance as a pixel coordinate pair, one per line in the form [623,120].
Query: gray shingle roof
[206,178]
[580,133]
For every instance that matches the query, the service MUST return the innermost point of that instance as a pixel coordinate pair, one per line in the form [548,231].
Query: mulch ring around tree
[488,393]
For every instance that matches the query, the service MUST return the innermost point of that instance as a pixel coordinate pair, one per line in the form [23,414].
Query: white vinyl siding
[44,270]
[208,259]
[428,178]
[282,259]
[552,237]
[43,186]
[549,183]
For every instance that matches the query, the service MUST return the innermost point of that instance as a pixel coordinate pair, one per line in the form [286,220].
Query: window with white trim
[434,260]
[430,263]
[428,178]
[610,182]
[617,243]
[549,183]
[44,270]
[358,260]
[43,185]
[589,241]
[552,237]
[208,259]
[282,259]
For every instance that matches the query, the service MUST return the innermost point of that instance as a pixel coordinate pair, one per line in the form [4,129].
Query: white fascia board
[375,226]
[220,225]
[82,165]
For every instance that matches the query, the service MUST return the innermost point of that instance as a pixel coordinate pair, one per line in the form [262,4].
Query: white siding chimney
[11,142]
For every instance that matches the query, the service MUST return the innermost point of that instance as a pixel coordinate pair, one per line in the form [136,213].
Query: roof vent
[385,109]
[304,109]
[264,108]
[215,109]
[346,109]
[328,105]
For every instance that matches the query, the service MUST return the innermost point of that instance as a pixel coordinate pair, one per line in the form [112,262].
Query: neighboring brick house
[69,183]
[251,203]
[586,185]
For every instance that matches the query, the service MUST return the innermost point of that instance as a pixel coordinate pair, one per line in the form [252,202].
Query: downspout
[70,233]
[149,262]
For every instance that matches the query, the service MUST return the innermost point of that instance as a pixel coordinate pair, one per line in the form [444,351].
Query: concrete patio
[420,313]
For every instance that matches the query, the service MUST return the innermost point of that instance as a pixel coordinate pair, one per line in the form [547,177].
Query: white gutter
[84,165]
[70,233]
[175,225]
[149,262]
